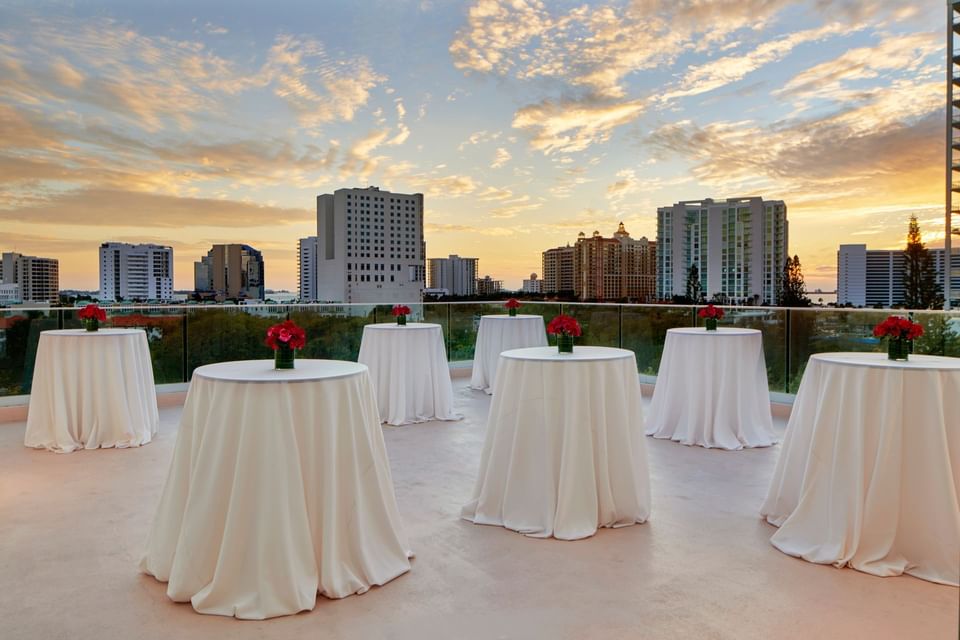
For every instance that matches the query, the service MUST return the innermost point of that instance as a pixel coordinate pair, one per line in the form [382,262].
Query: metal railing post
[183,349]
[787,330]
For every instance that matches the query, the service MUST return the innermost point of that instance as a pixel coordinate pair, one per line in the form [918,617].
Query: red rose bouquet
[899,328]
[91,316]
[512,305]
[400,312]
[900,333]
[285,338]
[710,315]
[566,329]
[712,312]
[92,312]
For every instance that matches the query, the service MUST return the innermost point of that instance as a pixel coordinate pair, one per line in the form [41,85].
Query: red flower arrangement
[92,312]
[712,312]
[400,310]
[898,328]
[564,326]
[286,334]
[512,303]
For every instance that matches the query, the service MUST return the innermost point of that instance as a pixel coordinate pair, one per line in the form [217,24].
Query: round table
[499,333]
[869,473]
[279,488]
[92,389]
[712,390]
[564,451]
[411,377]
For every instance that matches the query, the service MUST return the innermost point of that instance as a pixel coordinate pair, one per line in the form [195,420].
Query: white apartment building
[38,278]
[455,274]
[532,284]
[739,246]
[307,269]
[370,246]
[10,294]
[135,271]
[872,277]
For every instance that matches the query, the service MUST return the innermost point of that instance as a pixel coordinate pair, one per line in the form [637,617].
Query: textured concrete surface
[72,529]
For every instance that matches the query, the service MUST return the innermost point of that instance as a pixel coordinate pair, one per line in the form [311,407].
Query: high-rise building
[532,284]
[874,277]
[614,268]
[455,274]
[230,272]
[370,246]
[558,270]
[952,111]
[307,269]
[135,272]
[487,286]
[738,245]
[39,278]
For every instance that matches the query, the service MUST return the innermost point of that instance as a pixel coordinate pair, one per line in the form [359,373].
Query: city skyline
[522,123]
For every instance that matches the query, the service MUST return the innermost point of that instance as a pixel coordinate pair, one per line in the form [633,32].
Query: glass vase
[512,312]
[898,348]
[402,319]
[91,324]
[284,357]
[564,343]
[710,323]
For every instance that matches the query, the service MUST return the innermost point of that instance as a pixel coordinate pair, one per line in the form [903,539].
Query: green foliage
[694,287]
[793,291]
[919,275]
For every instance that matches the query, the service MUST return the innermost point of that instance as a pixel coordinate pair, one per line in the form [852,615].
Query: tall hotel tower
[370,246]
[738,245]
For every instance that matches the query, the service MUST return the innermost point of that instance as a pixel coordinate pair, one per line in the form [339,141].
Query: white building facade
[370,246]
[874,277]
[38,279]
[738,245]
[307,269]
[532,284]
[136,272]
[455,274]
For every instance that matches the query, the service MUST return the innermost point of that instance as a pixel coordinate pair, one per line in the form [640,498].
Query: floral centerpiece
[400,312]
[710,315]
[900,333]
[566,329]
[91,316]
[285,338]
[512,305]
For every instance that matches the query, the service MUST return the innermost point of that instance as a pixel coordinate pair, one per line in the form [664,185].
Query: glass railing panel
[19,336]
[226,333]
[600,324]
[645,330]
[164,328]
[333,331]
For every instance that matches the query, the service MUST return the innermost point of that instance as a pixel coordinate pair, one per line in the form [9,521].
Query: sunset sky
[190,123]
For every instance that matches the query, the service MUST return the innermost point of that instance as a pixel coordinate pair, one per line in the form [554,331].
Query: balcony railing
[182,338]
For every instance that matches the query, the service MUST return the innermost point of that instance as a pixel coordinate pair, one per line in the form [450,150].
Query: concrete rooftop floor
[72,529]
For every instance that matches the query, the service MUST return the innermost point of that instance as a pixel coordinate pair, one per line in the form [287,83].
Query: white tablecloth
[712,390]
[500,333]
[565,450]
[279,488]
[92,389]
[869,473]
[410,373]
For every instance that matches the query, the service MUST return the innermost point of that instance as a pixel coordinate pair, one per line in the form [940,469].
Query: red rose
[564,325]
[288,333]
[512,303]
[400,310]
